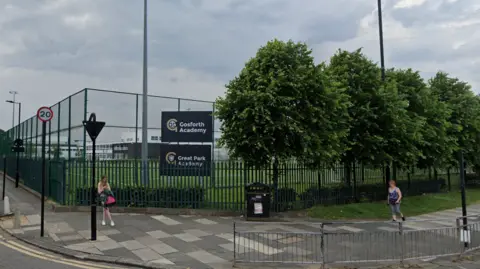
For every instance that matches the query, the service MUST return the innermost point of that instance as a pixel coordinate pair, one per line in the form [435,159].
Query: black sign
[18,143]
[187,126]
[185,160]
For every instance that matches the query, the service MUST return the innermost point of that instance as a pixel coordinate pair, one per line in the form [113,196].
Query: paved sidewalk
[195,241]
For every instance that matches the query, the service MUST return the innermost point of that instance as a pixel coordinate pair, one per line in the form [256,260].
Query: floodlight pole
[382,66]
[145,98]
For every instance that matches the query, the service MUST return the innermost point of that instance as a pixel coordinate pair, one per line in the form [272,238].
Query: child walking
[394,199]
[107,199]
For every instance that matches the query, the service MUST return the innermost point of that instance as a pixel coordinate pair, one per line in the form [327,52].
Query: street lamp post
[145,99]
[17,173]
[14,93]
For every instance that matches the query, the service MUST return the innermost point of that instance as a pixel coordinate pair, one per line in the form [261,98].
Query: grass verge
[411,206]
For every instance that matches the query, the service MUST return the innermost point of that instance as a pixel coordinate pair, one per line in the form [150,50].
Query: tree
[424,107]
[465,116]
[282,106]
[380,128]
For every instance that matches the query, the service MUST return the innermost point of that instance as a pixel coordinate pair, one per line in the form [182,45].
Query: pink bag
[110,200]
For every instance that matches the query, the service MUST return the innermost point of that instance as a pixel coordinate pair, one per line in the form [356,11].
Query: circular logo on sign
[172,125]
[170,157]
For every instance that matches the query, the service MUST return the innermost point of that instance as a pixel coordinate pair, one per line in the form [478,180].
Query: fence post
[322,244]
[402,243]
[459,234]
[135,171]
[4,176]
[234,244]
[64,182]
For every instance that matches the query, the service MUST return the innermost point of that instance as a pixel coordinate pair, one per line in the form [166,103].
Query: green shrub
[366,192]
[286,198]
[168,197]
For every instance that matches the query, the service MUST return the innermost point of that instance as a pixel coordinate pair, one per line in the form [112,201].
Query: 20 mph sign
[44,114]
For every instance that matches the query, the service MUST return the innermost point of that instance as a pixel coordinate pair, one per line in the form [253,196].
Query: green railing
[298,187]
[30,171]
[69,183]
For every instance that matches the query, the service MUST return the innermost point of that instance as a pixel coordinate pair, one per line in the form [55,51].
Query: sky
[50,49]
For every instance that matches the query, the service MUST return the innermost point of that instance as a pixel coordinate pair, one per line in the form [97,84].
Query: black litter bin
[258,200]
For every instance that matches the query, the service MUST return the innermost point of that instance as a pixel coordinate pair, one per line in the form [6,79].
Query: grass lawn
[411,206]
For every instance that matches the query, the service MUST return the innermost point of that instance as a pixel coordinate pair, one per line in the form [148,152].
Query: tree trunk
[409,179]
[348,174]
[275,184]
[355,197]
[363,173]
[394,166]
[448,179]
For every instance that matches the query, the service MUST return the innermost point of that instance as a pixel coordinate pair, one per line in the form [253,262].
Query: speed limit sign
[44,114]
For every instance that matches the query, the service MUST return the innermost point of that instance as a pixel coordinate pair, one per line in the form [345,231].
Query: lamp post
[145,99]
[17,173]
[14,93]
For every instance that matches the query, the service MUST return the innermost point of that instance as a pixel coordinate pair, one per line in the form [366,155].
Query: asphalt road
[14,255]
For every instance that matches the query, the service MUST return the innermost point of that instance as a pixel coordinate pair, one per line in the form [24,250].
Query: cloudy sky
[50,49]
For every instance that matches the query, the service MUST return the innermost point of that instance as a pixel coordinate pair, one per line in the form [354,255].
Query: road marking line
[42,257]
[20,246]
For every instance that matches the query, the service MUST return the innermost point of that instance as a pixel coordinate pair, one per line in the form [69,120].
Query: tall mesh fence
[66,136]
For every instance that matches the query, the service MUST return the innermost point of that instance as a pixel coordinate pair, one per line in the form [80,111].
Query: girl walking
[394,199]
[107,199]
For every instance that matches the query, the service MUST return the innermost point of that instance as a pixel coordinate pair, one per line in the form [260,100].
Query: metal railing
[331,243]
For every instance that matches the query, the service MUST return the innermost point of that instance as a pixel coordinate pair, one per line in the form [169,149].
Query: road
[14,254]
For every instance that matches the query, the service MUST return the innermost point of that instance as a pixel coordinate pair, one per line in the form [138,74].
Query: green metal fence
[30,171]
[69,183]
[298,187]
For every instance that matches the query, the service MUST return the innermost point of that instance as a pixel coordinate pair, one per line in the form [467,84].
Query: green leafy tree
[434,144]
[283,106]
[465,116]
[381,129]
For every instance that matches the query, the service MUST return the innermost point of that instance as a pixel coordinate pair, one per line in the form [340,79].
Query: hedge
[289,199]
[147,197]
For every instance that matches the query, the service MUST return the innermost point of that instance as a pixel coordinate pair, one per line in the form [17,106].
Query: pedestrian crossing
[162,238]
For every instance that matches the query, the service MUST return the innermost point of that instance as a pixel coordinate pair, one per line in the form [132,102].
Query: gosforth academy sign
[187,126]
